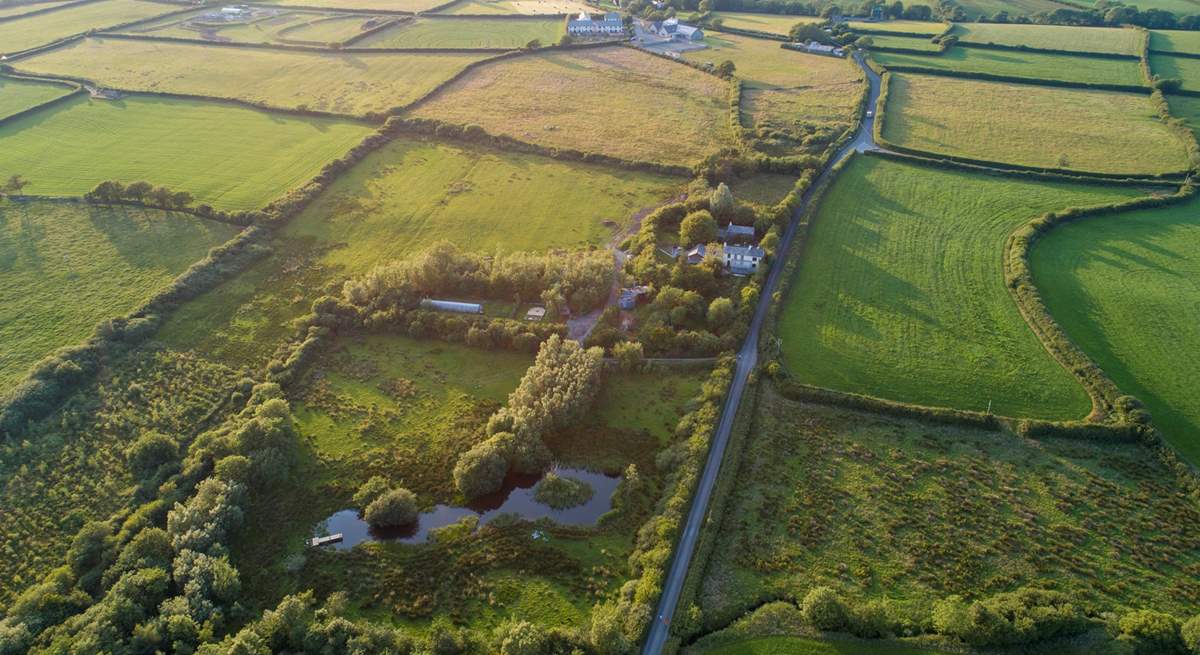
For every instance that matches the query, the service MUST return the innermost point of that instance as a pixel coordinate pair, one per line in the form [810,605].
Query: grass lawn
[799,646]
[910,26]
[531,7]
[402,199]
[226,156]
[573,100]
[1182,68]
[1077,129]
[25,33]
[900,294]
[886,508]
[764,188]
[787,90]
[1036,65]
[19,95]
[1175,40]
[910,42]
[1126,288]
[467,33]
[1053,37]
[64,267]
[347,84]
[770,23]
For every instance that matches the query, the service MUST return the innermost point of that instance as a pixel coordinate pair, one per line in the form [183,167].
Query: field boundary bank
[66,97]
[1035,81]
[47,10]
[940,161]
[385,25]
[756,34]
[1121,56]
[340,10]
[1170,53]
[888,147]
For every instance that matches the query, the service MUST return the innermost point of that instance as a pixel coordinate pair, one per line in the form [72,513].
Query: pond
[514,498]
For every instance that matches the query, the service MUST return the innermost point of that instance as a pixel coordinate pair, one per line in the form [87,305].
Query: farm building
[822,49]
[672,29]
[743,259]
[535,314]
[629,297]
[733,232]
[452,306]
[585,25]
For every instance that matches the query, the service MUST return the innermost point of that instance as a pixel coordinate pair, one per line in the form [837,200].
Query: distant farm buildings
[584,25]
[818,49]
[672,29]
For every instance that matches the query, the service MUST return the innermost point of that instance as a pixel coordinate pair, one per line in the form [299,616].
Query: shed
[452,306]
[535,314]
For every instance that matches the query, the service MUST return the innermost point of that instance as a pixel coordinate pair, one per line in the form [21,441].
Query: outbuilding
[452,306]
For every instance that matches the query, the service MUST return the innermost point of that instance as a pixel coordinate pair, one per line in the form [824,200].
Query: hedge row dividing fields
[24,33]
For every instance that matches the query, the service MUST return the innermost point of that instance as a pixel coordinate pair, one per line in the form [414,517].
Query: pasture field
[900,294]
[1076,129]
[976,8]
[764,188]
[786,90]
[1036,65]
[281,28]
[403,199]
[910,26]
[530,7]
[569,99]
[19,95]
[26,7]
[467,33]
[913,43]
[229,157]
[912,512]
[1125,41]
[352,431]
[383,5]
[26,33]
[770,23]
[1179,7]
[68,266]
[1126,289]
[1175,40]
[1186,108]
[1182,68]
[345,84]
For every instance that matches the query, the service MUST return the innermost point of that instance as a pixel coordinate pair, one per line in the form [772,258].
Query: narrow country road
[747,359]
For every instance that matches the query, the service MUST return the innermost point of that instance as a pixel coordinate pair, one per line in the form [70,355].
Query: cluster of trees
[557,390]
[385,506]
[578,281]
[141,192]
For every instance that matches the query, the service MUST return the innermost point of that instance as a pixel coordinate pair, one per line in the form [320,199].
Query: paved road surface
[747,359]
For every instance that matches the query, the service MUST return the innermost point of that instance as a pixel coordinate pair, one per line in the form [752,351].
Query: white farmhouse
[585,25]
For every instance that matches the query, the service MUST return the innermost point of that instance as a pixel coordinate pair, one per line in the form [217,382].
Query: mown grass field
[531,7]
[26,7]
[287,26]
[899,293]
[910,42]
[1053,37]
[1076,129]
[19,95]
[910,26]
[1037,65]
[1126,288]
[64,267]
[25,33]
[786,90]
[1175,40]
[571,99]
[912,512]
[770,23]
[345,84]
[227,156]
[467,33]
[400,200]
[1182,68]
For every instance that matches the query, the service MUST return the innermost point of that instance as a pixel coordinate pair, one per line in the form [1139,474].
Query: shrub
[369,491]
[720,313]
[562,492]
[150,451]
[1150,632]
[698,227]
[394,508]
[521,638]
[630,355]
[824,609]
[720,203]
[1190,632]
[481,470]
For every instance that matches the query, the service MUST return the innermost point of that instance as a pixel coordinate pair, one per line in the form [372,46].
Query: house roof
[738,230]
[687,30]
[745,251]
[612,17]
[697,251]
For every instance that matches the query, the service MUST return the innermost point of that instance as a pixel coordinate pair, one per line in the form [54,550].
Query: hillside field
[910,26]
[66,267]
[227,156]
[1116,40]
[345,84]
[383,5]
[529,7]
[401,200]
[1126,288]
[909,42]
[27,7]
[1037,65]
[1182,68]
[899,293]
[770,23]
[908,512]
[18,95]
[286,26]
[467,33]
[25,33]
[1175,41]
[1076,129]
[573,100]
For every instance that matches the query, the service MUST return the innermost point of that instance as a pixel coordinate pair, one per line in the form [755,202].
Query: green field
[910,42]
[26,7]
[402,199]
[384,5]
[1175,40]
[1126,41]
[798,646]
[764,188]
[570,99]
[1126,288]
[910,512]
[287,26]
[1183,68]
[530,7]
[976,8]
[467,33]
[770,23]
[910,26]
[64,267]
[26,33]
[1186,108]
[347,84]
[226,156]
[900,294]
[18,95]
[1037,65]
[1076,129]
